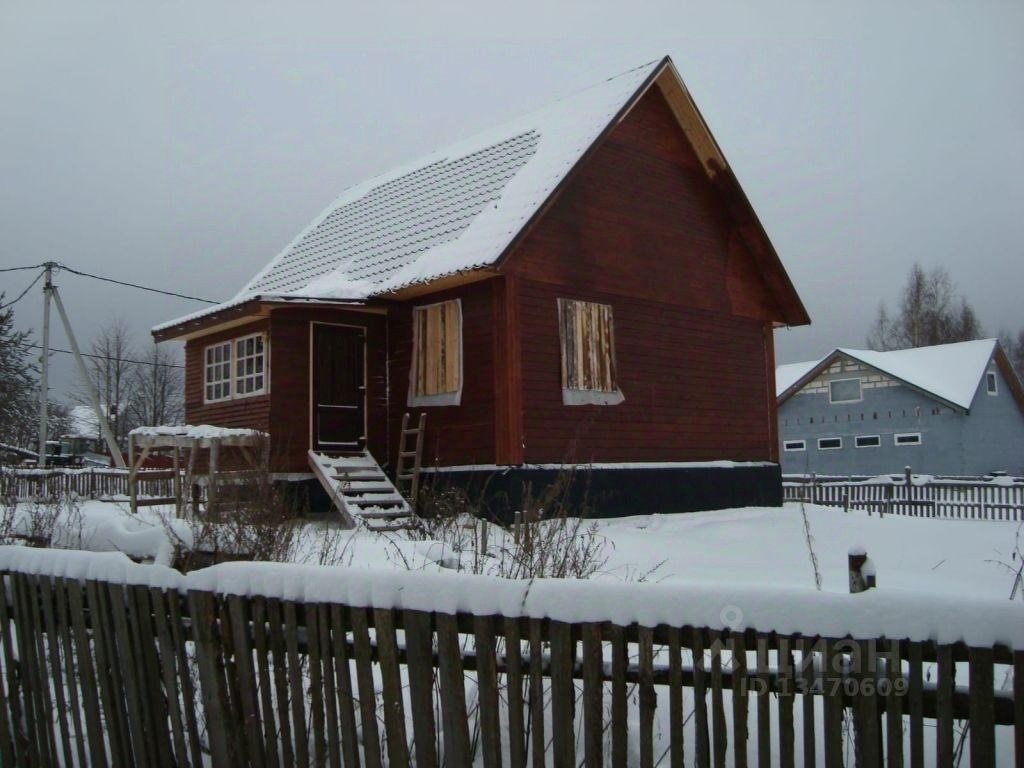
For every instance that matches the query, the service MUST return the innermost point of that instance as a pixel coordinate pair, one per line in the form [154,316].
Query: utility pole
[44,363]
[94,399]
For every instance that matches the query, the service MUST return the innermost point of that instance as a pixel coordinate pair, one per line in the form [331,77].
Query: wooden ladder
[407,479]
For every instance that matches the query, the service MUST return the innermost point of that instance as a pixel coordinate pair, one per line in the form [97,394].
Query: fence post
[814,487]
[862,570]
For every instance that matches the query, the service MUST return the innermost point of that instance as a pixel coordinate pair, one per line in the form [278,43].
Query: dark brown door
[339,388]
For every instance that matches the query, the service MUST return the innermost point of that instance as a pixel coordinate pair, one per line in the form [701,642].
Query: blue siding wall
[994,431]
[990,437]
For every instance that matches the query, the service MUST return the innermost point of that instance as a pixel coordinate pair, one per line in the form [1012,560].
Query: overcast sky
[185,144]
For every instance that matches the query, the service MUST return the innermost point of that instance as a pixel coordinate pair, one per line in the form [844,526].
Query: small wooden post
[133,490]
[211,475]
[814,487]
[862,570]
[846,502]
[177,482]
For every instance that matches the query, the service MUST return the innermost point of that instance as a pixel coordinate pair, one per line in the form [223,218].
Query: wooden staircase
[361,491]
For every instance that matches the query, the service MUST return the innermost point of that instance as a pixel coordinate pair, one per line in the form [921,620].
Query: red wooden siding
[642,228]
[285,413]
[247,412]
[462,434]
[290,414]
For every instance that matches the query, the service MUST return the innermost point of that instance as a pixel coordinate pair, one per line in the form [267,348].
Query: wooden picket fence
[107,673]
[950,498]
[24,484]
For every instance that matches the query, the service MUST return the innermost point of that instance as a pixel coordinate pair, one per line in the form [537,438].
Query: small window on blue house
[991,384]
[830,443]
[867,441]
[844,391]
[907,438]
[794,445]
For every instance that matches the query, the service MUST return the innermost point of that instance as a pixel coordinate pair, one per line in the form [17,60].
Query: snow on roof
[194,431]
[455,210]
[951,372]
[788,375]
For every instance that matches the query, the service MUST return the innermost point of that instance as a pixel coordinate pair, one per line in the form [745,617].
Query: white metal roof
[951,372]
[452,211]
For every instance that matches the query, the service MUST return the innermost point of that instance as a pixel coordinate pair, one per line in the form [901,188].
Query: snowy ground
[759,546]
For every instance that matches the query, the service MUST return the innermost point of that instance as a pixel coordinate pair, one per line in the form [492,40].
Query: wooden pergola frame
[140,446]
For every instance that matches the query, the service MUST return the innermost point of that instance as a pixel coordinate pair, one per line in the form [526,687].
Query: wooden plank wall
[642,228]
[246,412]
[462,434]
[103,673]
[290,368]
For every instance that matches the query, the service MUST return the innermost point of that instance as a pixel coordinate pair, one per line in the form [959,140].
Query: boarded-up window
[437,351]
[588,346]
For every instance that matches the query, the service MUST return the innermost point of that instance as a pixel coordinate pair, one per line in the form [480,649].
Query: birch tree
[930,311]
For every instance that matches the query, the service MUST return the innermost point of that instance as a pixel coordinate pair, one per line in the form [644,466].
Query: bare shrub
[252,519]
[549,538]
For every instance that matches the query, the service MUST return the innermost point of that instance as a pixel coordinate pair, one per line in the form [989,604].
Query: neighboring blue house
[951,409]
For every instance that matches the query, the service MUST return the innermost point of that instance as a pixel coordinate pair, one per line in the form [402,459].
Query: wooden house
[949,409]
[586,285]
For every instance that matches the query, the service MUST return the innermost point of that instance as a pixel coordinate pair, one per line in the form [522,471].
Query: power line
[22,294]
[19,269]
[134,285]
[112,359]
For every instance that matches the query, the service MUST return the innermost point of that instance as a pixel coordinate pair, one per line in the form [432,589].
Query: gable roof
[460,209]
[948,372]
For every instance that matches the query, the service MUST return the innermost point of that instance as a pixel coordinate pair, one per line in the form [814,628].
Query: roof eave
[838,352]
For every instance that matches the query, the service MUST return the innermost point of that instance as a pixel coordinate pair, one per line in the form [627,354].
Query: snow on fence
[26,484]
[108,662]
[913,495]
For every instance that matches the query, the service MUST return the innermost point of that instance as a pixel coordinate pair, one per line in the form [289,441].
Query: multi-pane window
[236,368]
[218,372]
[249,361]
[436,376]
[587,333]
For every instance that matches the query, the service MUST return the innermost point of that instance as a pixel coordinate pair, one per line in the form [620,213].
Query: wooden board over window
[437,354]
[587,332]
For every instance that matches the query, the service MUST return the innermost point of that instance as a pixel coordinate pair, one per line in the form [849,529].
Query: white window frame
[830,447]
[576,395]
[876,438]
[237,378]
[991,383]
[790,445]
[454,397]
[896,439]
[231,382]
[225,363]
[860,389]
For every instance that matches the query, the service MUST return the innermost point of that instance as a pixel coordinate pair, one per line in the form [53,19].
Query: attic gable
[460,210]
[950,373]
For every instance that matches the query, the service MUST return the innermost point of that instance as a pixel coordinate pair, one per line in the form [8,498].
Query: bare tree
[112,370]
[157,388]
[1013,346]
[930,312]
